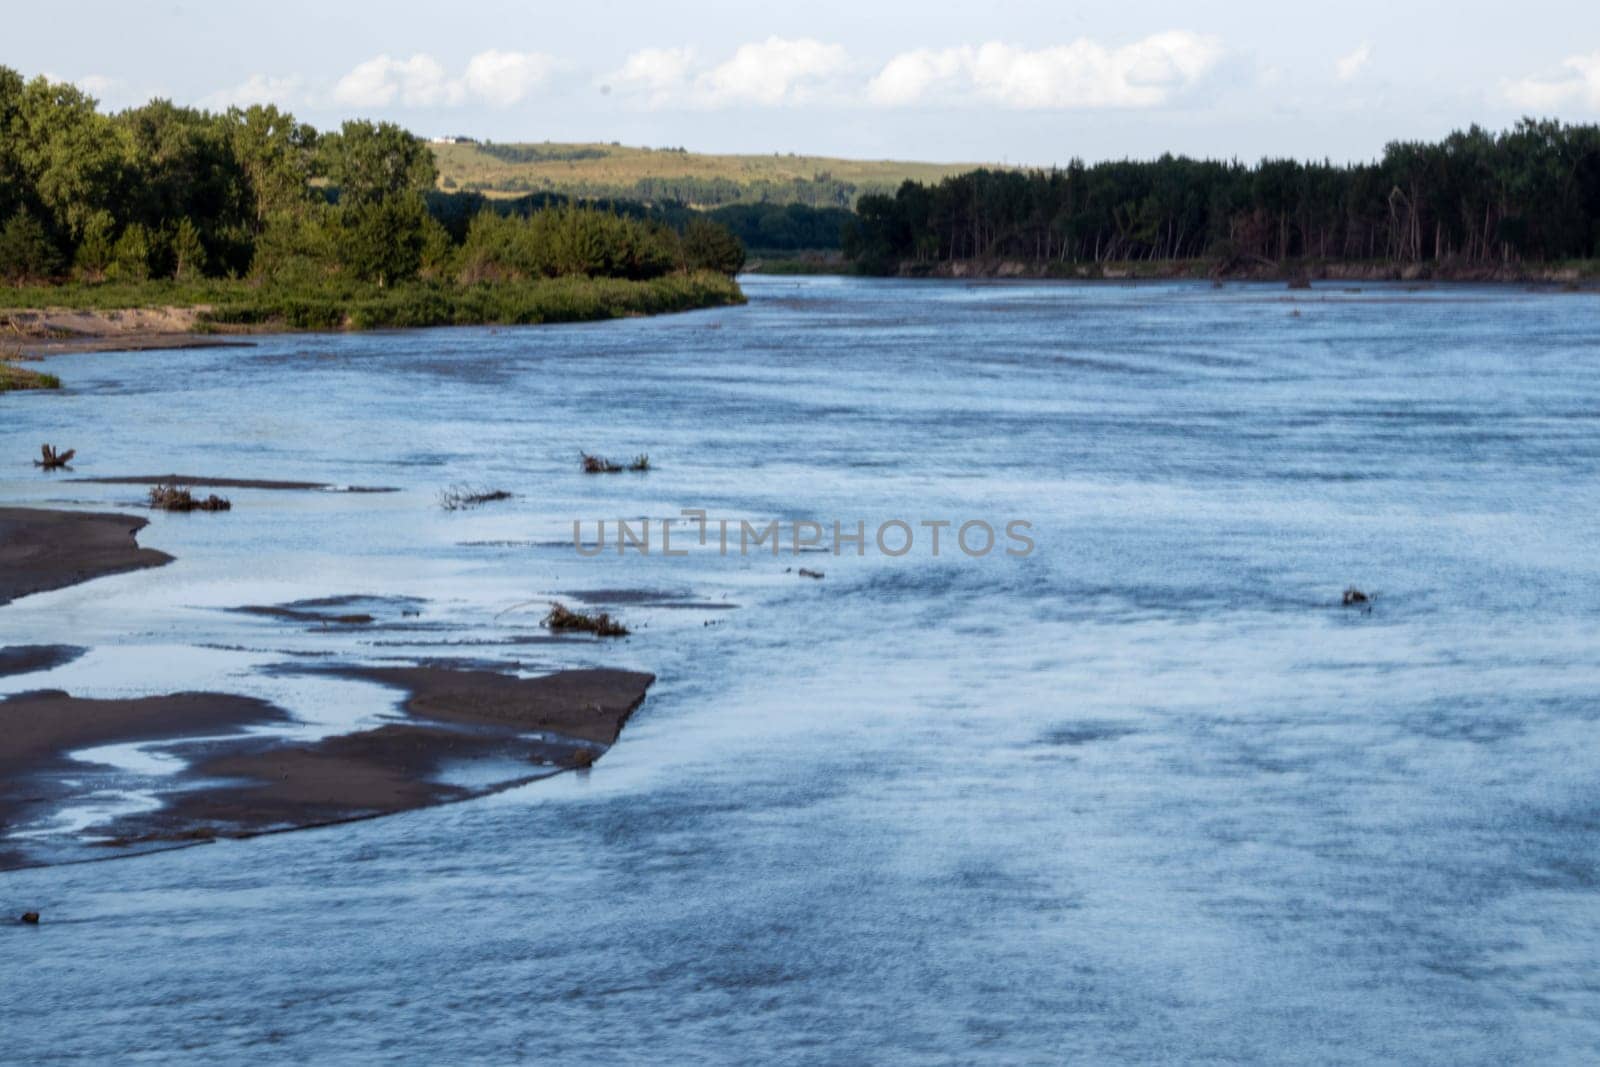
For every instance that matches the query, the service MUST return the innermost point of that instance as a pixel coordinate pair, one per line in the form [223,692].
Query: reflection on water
[1148,793]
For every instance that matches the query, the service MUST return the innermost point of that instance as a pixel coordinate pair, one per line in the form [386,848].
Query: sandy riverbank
[458,733]
[41,550]
[465,734]
[56,331]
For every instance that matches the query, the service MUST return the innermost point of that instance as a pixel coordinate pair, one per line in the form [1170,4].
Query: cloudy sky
[1022,81]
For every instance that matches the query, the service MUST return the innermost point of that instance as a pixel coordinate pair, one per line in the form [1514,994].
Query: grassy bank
[14,378]
[336,305]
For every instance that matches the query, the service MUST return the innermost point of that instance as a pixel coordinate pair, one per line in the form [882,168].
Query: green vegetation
[1530,194]
[672,175]
[339,304]
[265,220]
[13,377]
[784,228]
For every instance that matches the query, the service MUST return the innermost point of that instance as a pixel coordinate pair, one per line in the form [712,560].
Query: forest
[169,192]
[1530,194]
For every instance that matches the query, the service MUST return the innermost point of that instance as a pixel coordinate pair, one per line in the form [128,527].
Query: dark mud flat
[28,659]
[354,610]
[198,481]
[591,705]
[39,730]
[41,550]
[467,733]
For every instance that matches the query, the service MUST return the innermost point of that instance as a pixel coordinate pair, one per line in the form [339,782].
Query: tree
[26,252]
[95,249]
[71,158]
[189,255]
[278,157]
[708,246]
[130,256]
[371,162]
[383,240]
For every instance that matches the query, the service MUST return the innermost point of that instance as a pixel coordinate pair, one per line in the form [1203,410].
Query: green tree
[382,240]
[26,252]
[370,162]
[708,246]
[72,160]
[96,247]
[130,256]
[188,253]
[278,157]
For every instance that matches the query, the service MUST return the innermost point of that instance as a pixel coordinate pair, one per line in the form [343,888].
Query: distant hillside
[662,174]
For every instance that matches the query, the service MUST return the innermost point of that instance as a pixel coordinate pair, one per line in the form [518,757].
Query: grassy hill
[657,174]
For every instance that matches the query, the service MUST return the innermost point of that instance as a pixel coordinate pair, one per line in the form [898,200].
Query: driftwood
[462,497]
[563,619]
[602,465]
[177,498]
[804,573]
[51,460]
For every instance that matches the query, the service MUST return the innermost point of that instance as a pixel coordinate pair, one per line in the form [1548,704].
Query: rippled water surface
[1147,794]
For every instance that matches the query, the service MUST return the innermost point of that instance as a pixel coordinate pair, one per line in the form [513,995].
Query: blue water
[1146,794]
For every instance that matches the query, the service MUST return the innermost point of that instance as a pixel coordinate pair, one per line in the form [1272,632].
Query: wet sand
[28,659]
[39,730]
[590,705]
[57,331]
[41,550]
[500,730]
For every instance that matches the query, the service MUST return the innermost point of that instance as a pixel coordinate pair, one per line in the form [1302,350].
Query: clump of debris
[462,497]
[178,498]
[563,619]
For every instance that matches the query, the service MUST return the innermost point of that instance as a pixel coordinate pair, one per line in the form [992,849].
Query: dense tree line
[785,227]
[162,191]
[1531,193]
[769,227]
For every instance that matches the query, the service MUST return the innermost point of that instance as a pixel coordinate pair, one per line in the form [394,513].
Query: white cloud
[659,72]
[500,79]
[767,73]
[1348,66]
[774,71]
[1083,74]
[416,82]
[257,89]
[1578,85]
[908,77]
[506,78]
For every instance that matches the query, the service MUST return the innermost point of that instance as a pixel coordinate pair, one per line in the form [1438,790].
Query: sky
[1005,82]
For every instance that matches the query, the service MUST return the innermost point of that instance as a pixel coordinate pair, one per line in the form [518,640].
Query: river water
[1147,793]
